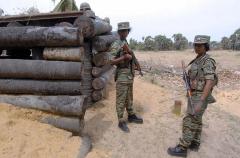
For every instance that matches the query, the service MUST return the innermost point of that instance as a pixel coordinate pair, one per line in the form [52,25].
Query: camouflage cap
[90,14]
[201,39]
[124,26]
[85,6]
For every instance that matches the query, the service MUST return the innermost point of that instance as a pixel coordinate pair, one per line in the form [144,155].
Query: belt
[194,90]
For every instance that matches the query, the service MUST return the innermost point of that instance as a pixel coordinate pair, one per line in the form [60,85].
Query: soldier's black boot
[179,151]
[194,146]
[133,118]
[123,126]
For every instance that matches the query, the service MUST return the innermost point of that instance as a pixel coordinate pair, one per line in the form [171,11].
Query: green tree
[225,43]
[149,43]
[190,45]
[215,45]
[65,6]
[163,43]
[133,44]
[235,40]
[180,42]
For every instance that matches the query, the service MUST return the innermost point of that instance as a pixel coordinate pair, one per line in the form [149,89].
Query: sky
[216,18]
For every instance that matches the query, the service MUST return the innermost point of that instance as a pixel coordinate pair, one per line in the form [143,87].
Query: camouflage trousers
[192,125]
[124,99]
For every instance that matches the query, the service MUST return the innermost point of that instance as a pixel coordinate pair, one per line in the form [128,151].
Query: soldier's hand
[127,57]
[198,107]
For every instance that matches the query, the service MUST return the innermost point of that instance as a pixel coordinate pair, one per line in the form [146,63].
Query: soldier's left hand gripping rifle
[127,50]
[186,80]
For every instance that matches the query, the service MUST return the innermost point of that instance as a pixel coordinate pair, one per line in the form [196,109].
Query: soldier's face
[123,34]
[199,49]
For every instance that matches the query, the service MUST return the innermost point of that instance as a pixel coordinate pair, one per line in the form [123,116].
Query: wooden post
[101,82]
[65,105]
[70,124]
[91,27]
[64,53]
[40,69]
[101,59]
[103,43]
[98,71]
[98,95]
[45,87]
[30,37]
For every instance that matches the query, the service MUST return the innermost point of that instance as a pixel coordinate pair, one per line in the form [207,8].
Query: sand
[22,136]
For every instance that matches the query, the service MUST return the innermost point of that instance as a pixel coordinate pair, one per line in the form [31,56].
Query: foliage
[235,40]
[215,45]
[180,42]
[65,5]
[225,43]
[30,11]
[149,43]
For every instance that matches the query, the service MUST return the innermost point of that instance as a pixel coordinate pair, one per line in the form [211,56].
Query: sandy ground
[161,129]
[21,134]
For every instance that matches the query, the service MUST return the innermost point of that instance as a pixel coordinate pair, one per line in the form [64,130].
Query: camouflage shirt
[202,68]
[125,69]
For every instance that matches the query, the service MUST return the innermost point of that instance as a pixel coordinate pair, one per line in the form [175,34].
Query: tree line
[180,42]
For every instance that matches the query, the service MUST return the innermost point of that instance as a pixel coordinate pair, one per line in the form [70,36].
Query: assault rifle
[128,51]
[186,80]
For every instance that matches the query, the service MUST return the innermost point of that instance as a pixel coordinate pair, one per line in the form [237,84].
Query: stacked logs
[66,69]
[102,71]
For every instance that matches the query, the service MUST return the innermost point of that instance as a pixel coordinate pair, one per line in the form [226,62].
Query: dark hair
[129,30]
[207,47]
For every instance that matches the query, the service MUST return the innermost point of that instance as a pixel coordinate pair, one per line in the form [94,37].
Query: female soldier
[202,80]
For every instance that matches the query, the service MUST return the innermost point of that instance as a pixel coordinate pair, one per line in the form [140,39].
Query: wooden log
[64,24]
[14,53]
[71,124]
[65,105]
[101,82]
[64,53]
[40,69]
[103,43]
[42,19]
[98,95]
[101,59]
[101,27]
[86,72]
[44,87]
[98,71]
[92,27]
[39,37]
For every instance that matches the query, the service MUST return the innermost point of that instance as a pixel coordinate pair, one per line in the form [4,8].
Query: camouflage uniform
[201,69]
[124,80]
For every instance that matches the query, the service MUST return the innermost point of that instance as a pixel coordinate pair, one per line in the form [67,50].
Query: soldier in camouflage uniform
[202,80]
[84,6]
[124,77]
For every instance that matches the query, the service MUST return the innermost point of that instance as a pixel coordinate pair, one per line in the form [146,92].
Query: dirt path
[161,128]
